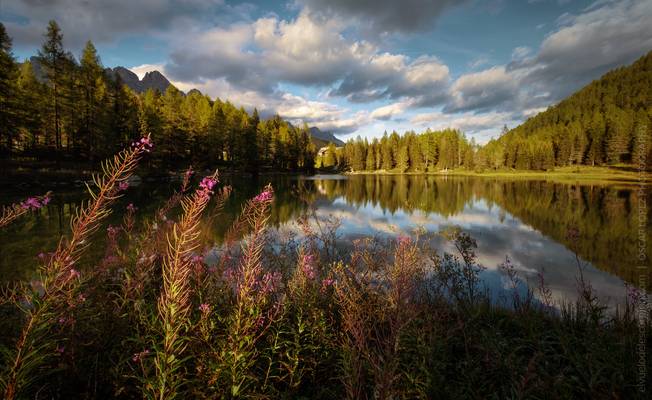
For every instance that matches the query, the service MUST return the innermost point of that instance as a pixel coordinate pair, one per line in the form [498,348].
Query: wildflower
[112,231]
[308,266]
[197,259]
[204,308]
[327,282]
[81,298]
[144,143]
[206,186]
[207,183]
[264,196]
[124,185]
[270,282]
[403,240]
[32,203]
[131,208]
[61,349]
[74,273]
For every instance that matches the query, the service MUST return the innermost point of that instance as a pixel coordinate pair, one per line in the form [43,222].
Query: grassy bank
[626,174]
[169,313]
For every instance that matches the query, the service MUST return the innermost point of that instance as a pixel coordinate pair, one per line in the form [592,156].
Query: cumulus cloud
[582,48]
[482,90]
[389,111]
[385,15]
[308,50]
[102,21]
[464,121]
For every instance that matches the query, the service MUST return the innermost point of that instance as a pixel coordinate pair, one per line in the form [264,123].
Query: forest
[80,113]
[77,111]
[426,152]
[608,122]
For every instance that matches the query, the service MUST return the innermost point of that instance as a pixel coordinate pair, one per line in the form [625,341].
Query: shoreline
[564,174]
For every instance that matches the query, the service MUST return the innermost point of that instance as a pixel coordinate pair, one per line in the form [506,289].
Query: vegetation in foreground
[165,314]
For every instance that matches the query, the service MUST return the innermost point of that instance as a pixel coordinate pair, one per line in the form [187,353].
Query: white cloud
[390,110]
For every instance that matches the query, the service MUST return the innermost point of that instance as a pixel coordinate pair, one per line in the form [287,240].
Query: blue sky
[358,67]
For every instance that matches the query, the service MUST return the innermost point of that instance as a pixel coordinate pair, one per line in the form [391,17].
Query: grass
[169,314]
[623,173]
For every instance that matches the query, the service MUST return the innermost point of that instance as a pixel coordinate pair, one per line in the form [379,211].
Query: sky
[357,67]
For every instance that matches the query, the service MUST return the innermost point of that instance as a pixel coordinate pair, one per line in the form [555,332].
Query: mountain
[322,139]
[609,121]
[151,80]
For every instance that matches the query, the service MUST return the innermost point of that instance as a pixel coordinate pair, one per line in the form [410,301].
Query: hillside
[607,122]
[322,139]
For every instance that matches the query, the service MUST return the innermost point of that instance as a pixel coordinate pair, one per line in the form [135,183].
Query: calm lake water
[526,220]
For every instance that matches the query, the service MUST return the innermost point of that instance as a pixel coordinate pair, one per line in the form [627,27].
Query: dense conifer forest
[78,111]
[608,122]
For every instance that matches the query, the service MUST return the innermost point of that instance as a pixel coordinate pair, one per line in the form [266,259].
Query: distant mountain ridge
[321,138]
[151,80]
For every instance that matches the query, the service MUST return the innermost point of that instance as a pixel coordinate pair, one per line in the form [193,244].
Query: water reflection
[526,220]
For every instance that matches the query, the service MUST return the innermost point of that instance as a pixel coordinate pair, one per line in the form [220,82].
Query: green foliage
[80,112]
[412,152]
[595,126]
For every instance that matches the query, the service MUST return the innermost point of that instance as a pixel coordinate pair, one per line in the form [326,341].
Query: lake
[525,220]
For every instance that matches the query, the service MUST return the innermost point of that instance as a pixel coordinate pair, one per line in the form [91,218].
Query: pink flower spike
[124,185]
[264,196]
[204,308]
[207,183]
[31,203]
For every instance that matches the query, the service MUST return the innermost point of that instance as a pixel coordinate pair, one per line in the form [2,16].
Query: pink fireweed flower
[204,308]
[32,203]
[206,186]
[131,208]
[207,183]
[404,240]
[145,143]
[270,282]
[124,185]
[308,266]
[264,196]
[112,231]
[327,282]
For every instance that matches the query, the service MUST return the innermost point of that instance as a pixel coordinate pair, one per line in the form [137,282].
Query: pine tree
[52,58]
[403,159]
[8,91]
[92,82]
